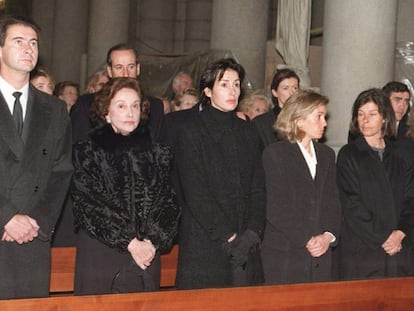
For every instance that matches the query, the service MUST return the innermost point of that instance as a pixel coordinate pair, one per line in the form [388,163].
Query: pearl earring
[108,119]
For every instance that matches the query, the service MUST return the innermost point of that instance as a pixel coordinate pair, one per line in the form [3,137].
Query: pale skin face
[187,101]
[185,82]
[258,107]
[285,89]
[313,125]
[43,84]
[370,123]
[100,83]
[124,64]
[69,96]
[400,102]
[124,111]
[225,93]
[19,55]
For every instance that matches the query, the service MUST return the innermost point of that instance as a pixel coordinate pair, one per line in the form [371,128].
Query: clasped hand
[319,244]
[20,229]
[393,244]
[143,252]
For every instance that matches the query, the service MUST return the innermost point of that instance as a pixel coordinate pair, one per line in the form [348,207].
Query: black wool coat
[222,178]
[377,197]
[298,207]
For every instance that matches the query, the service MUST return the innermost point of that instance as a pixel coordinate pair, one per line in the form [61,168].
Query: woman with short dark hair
[218,157]
[377,195]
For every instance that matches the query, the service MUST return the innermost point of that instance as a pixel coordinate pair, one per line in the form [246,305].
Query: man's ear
[109,71]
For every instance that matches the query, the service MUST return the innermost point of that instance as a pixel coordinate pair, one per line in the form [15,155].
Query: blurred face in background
[43,84]
[69,96]
[285,89]
[400,102]
[258,107]
[123,64]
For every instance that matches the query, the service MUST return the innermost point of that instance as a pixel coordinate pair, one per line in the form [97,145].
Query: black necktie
[18,113]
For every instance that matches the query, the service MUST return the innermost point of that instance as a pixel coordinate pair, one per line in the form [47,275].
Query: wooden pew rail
[384,294]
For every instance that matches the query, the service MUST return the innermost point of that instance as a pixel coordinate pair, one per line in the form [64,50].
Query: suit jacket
[35,172]
[298,207]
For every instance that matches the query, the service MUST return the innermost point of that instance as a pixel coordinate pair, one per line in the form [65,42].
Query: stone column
[43,15]
[108,25]
[69,39]
[157,18]
[358,53]
[198,25]
[404,66]
[241,26]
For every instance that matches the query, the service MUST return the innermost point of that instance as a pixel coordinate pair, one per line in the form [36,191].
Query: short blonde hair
[249,99]
[297,107]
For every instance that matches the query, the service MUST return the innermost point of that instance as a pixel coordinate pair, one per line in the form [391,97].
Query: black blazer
[298,207]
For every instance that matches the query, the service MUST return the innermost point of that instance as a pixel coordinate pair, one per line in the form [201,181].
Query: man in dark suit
[35,165]
[121,61]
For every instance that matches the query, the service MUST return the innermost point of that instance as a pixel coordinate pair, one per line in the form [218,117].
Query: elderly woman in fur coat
[124,207]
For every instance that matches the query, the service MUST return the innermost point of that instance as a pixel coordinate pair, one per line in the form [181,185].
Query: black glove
[241,246]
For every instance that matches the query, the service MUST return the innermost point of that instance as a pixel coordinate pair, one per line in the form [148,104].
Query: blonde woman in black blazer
[303,210]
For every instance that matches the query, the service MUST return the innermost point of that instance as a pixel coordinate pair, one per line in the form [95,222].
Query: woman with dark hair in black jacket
[376,188]
[123,203]
[222,179]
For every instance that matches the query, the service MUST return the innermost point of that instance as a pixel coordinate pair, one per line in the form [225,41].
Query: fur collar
[105,137]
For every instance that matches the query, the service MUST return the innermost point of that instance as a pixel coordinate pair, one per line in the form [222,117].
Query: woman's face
[187,101]
[225,93]
[44,84]
[124,111]
[69,96]
[258,107]
[370,120]
[313,125]
[285,89]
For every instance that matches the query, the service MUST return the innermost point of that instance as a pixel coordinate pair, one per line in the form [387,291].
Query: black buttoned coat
[221,174]
[377,197]
[298,207]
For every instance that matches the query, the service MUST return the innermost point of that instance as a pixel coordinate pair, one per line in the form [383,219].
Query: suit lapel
[7,129]
[37,122]
[321,167]
[302,166]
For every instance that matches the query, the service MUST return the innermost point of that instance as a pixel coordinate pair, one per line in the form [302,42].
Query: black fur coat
[121,189]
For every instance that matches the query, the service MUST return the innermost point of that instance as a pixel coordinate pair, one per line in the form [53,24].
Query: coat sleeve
[256,217]
[331,211]
[96,208]
[357,216]
[163,219]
